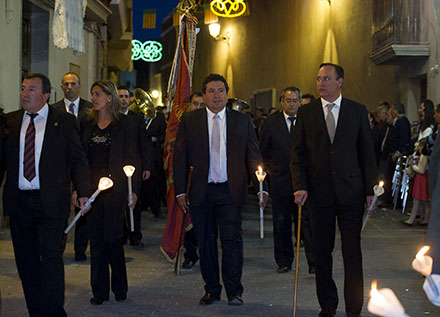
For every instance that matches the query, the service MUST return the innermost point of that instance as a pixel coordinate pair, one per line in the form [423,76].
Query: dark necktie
[72,108]
[292,125]
[29,150]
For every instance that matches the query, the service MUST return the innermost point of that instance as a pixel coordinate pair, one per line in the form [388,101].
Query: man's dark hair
[45,81]
[197,93]
[123,87]
[293,89]
[71,73]
[309,96]
[338,69]
[400,108]
[214,77]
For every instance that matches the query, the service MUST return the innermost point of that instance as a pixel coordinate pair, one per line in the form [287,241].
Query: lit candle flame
[374,291]
[422,252]
[381,183]
[105,183]
[128,170]
[260,170]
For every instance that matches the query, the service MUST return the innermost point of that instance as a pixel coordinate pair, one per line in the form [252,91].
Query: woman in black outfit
[108,140]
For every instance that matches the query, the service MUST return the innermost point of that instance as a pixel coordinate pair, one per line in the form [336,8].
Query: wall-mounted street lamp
[214,31]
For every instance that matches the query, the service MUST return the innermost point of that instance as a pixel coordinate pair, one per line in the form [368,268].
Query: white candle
[384,302]
[378,190]
[260,176]
[104,183]
[423,263]
[129,170]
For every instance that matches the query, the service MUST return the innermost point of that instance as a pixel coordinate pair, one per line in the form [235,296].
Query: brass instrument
[143,103]
[237,104]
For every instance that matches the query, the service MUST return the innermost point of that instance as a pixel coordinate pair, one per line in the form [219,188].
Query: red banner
[177,222]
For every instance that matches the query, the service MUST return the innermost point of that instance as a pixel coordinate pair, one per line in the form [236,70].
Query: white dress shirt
[222,127]
[40,128]
[75,108]
[335,110]
[286,118]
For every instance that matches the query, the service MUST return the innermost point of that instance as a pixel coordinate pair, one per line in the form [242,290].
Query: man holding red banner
[221,145]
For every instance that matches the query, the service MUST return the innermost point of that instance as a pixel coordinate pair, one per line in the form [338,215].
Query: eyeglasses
[288,100]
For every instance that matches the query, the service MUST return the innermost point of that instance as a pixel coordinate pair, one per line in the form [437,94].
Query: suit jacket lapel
[50,132]
[282,126]
[342,119]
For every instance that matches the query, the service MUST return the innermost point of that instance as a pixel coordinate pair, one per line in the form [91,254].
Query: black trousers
[106,249]
[38,246]
[323,222]
[190,243]
[217,213]
[284,209]
[152,190]
[81,234]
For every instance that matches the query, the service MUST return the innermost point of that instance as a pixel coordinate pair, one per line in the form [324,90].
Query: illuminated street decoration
[149,51]
[228,8]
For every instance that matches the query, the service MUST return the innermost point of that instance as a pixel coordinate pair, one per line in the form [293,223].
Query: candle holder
[385,303]
[261,175]
[378,191]
[104,183]
[129,171]
[423,264]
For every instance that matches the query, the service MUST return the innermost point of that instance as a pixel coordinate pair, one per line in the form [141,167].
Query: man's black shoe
[121,298]
[208,299]
[312,269]
[327,312]
[188,264]
[80,257]
[353,315]
[283,269]
[235,300]
[97,300]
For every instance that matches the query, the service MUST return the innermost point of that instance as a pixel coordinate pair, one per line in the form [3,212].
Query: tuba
[143,103]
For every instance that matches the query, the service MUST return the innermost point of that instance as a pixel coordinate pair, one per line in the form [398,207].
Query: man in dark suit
[73,104]
[42,154]
[153,189]
[395,143]
[334,169]
[142,166]
[275,146]
[221,145]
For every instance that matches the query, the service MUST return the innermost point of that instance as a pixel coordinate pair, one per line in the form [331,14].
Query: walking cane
[298,240]
[182,228]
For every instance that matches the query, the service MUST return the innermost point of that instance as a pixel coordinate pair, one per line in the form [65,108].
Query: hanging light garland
[149,51]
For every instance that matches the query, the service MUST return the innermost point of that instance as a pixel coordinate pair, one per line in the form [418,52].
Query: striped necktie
[72,108]
[29,150]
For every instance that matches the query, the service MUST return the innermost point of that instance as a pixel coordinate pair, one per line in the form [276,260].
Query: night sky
[163,8]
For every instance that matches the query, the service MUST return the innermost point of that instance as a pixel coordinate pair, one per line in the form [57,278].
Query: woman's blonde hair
[109,88]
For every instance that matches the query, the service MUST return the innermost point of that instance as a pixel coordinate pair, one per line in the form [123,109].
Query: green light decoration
[149,51]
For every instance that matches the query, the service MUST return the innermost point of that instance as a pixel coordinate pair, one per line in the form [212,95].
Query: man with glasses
[334,170]
[275,145]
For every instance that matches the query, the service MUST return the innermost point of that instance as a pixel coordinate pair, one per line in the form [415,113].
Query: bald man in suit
[334,169]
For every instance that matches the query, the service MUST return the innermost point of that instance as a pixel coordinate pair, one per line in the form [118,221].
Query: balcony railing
[399,31]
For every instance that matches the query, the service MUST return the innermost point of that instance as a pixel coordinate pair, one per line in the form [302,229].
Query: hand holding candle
[129,170]
[104,183]
[378,190]
[385,303]
[260,176]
